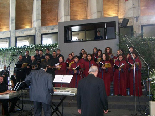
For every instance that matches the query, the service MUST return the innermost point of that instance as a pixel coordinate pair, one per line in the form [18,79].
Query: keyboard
[65,91]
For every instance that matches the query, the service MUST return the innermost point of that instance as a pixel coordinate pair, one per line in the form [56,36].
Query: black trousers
[5,106]
[38,109]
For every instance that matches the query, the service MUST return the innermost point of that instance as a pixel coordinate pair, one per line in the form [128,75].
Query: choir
[114,70]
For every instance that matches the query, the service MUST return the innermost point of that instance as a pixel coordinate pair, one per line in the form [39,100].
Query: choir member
[104,72]
[94,55]
[72,54]
[46,64]
[81,53]
[59,53]
[84,58]
[131,50]
[120,76]
[76,69]
[48,52]
[116,57]
[5,74]
[61,70]
[135,80]
[99,56]
[19,71]
[27,58]
[87,64]
[36,54]
[108,51]
[41,56]
[54,61]
[69,61]
[61,67]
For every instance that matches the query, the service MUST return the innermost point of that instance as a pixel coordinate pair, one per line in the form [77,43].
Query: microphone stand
[134,73]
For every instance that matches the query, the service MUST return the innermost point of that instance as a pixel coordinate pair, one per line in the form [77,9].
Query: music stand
[62,79]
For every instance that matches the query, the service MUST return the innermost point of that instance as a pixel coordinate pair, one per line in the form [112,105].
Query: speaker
[125,22]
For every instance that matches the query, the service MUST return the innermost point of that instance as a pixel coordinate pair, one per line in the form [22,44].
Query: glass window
[25,41]
[90,32]
[49,38]
[4,42]
[148,30]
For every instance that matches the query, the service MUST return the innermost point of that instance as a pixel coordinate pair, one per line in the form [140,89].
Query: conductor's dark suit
[91,96]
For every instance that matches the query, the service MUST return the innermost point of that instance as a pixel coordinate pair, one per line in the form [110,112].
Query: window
[90,32]
[4,42]
[25,41]
[148,30]
[49,38]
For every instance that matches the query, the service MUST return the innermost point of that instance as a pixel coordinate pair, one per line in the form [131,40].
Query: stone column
[36,20]
[136,16]
[12,22]
[64,10]
[95,9]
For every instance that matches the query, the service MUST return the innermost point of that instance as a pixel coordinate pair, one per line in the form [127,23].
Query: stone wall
[4,15]
[24,9]
[78,9]
[49,12]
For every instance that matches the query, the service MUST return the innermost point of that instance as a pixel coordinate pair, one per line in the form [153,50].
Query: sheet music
[63,78]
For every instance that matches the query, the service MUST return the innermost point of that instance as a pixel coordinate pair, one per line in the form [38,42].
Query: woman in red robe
[60,69]
[104,72]
[120,76]
[69,61]
[108,51]
[99,56]
[87,64]
[76,71]
[135,83]
[94,55]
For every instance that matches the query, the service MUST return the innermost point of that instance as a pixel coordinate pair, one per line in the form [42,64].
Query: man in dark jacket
[40,91]
[91,95]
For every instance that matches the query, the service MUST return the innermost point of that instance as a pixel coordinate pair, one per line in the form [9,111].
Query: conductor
[91,95]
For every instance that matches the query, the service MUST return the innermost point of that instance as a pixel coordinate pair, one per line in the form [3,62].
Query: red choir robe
[120,78]
[61,71]
[82,61]
[87,65]
[135,87]
[94,55]
[112,64]
[105,75]
[98,58]
[76,76]
[68,70]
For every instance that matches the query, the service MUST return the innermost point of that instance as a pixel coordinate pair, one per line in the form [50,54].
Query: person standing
[91,95]
[41,87]
[87,64]
[120,76]
[135,80]
[105,72]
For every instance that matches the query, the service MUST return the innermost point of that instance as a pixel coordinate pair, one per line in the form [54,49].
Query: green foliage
[146,51]
[8,55]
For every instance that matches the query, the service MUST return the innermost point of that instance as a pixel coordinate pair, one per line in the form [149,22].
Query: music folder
[62,79]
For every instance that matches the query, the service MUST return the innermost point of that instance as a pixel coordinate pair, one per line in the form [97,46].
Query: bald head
[93,70]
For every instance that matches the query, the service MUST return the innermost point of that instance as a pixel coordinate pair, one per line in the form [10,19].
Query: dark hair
[54,51]
[100,51]
[89,55]
[48,49]
[36,50]
[41,50]
[58,49]
[27,51]
[13,79]
[76,56]
[106,55]
[109,49]
[94,48]
[62,58]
